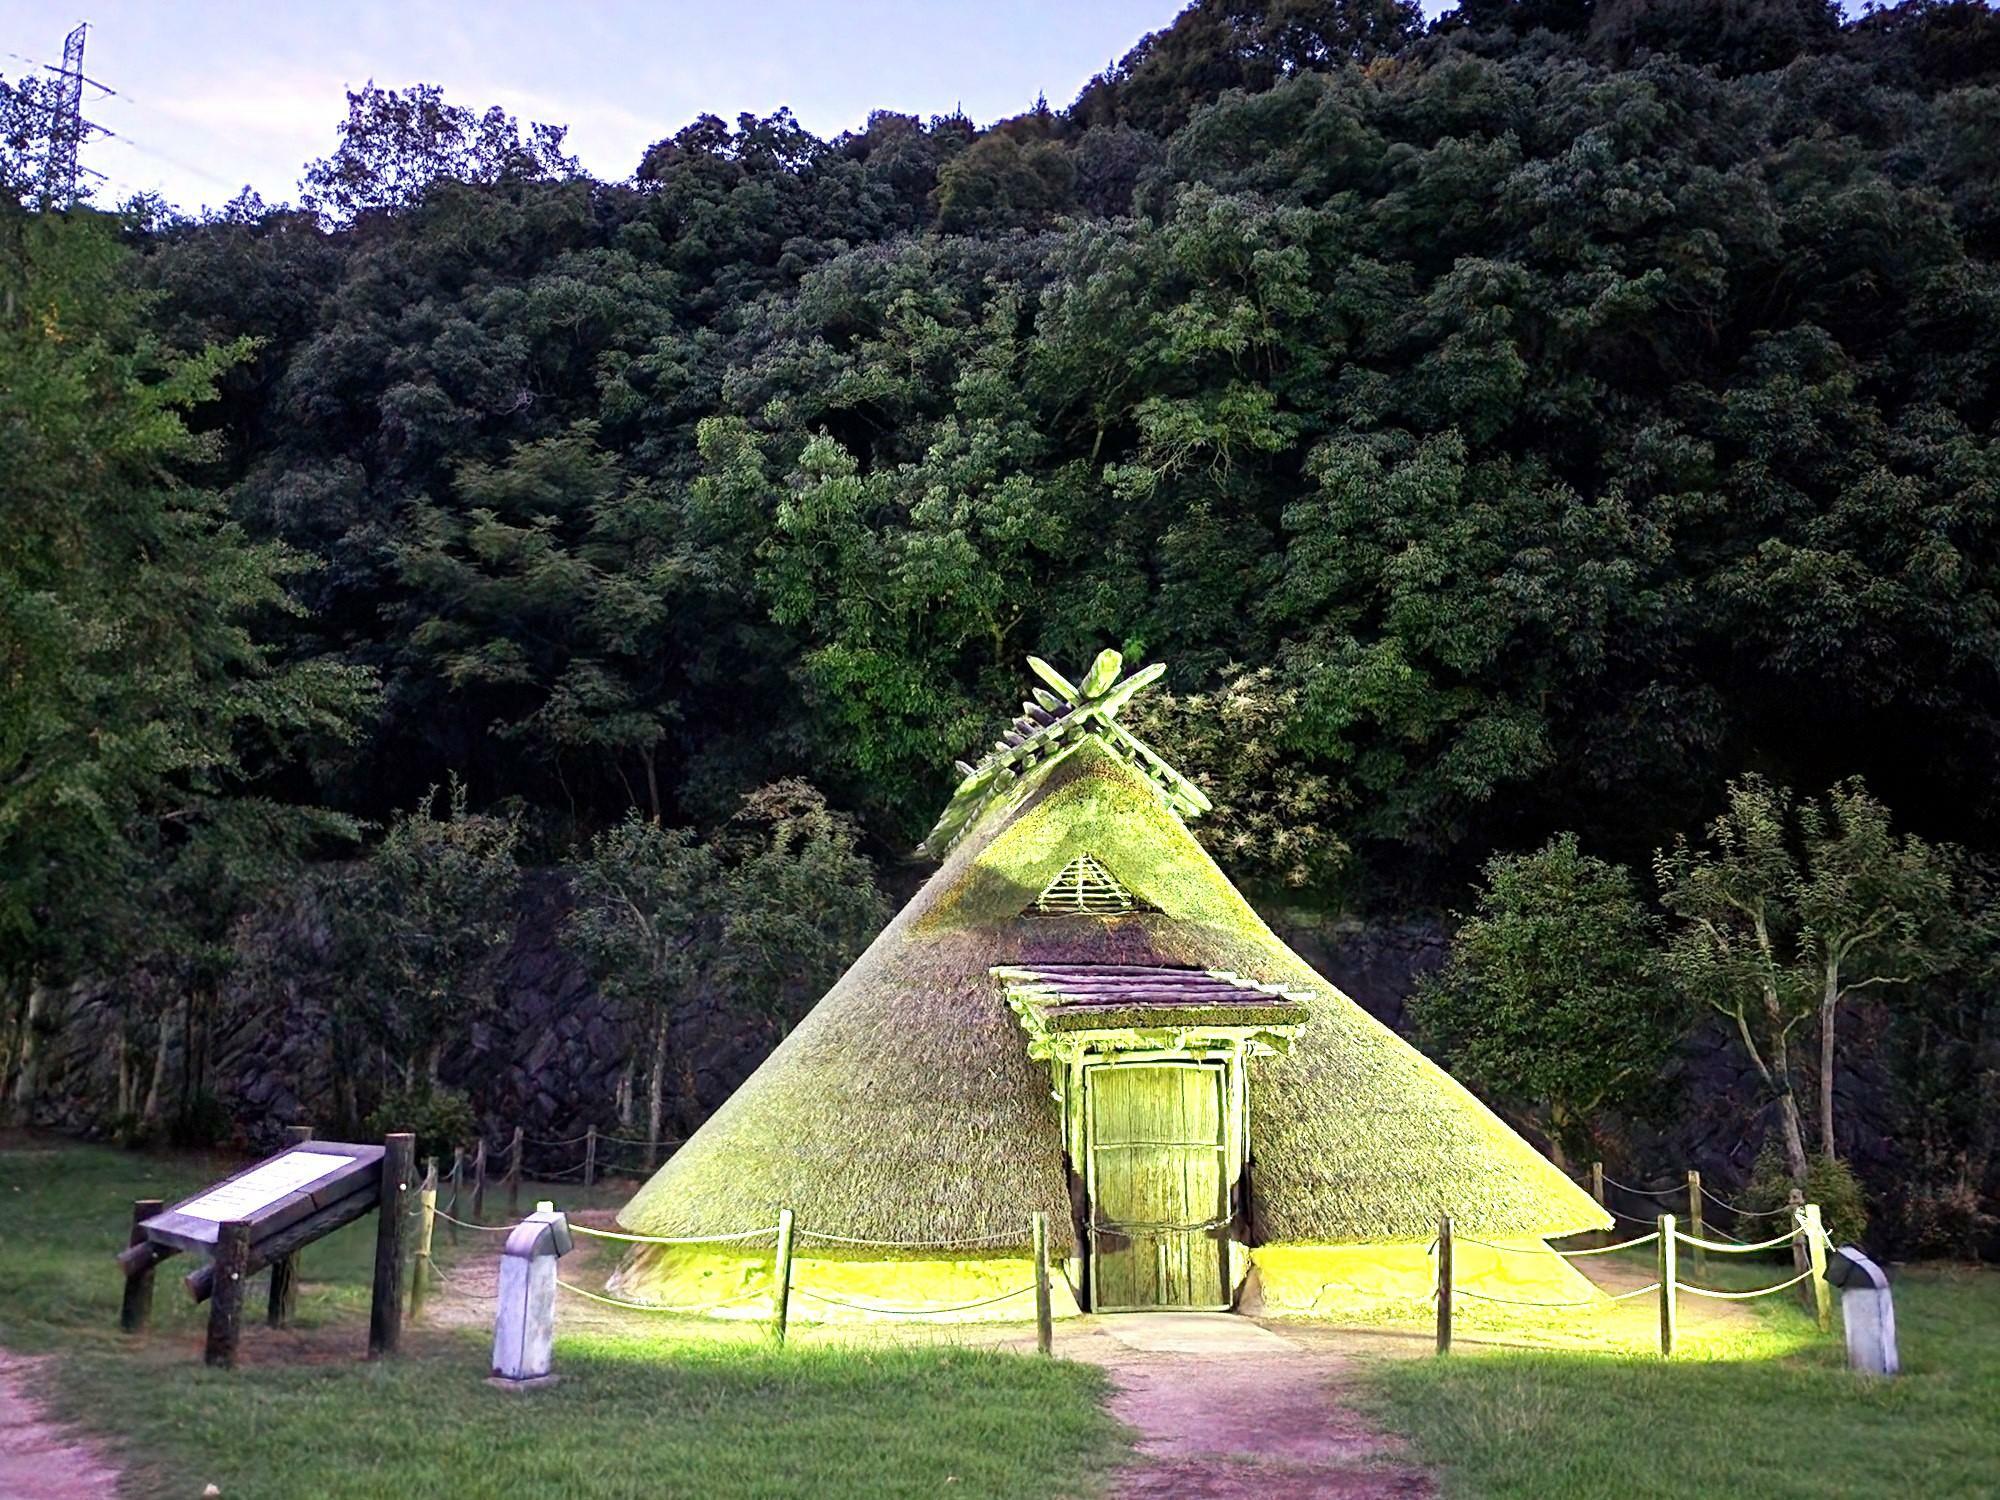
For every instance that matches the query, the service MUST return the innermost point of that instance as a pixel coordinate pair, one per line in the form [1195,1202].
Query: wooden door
[1159,1186]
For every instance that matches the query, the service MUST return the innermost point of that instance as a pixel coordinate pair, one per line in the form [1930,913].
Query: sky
[215,95]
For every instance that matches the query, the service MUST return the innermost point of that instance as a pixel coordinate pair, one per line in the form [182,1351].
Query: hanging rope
[467,1224]
[657,1307]
[1748,1213]
[1461,1239]
[663,1239]
[1459,1291]
[1005,1236]
[1128,1230]
[1765,1291]
[1736,1249]
[1644,1192]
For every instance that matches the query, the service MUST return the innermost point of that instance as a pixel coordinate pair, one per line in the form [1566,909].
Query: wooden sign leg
[393,1243]
[285,1269]
[137,1310]
[225,1306]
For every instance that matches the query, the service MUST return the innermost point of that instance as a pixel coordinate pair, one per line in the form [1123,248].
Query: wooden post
[285,1270]
[1668,1271]
[1697,1224]
[590,1156]
[514,1176]
[1444,1285]
[479,1182]
[1044,1329]
[420,1276]
[225,1308]
[457,1182]
[393,1243]
[137,1310]
[781,1288]
[1801,1257]
[1597,1192]
[1815,1233]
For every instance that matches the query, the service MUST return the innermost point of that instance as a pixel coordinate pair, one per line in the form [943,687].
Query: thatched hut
[1079,1014]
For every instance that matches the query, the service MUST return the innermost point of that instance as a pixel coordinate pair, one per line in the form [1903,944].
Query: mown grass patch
[654,1413]
[1767,1409]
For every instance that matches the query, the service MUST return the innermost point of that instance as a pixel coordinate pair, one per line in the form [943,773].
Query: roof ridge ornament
[1061,715]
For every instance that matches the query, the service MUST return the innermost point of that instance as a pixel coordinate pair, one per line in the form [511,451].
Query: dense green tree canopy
[1566,406]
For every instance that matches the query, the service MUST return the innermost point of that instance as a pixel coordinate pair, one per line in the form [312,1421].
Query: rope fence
[784,1283]
[1806,1238]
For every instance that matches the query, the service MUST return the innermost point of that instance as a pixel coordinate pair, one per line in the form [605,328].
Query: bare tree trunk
[624,1096]
[1777,1076]
[1788,1110]
[1829,999]
[651,756]
[150,1111]
[13,1030]
[22,1097]
[121,1051]
[656,1087]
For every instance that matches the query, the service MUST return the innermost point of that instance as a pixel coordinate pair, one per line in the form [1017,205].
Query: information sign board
[271,1195]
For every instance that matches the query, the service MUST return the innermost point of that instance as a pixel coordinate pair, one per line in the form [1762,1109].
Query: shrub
[1945,1214]
[440,1118]
[1830,1183]
[200,1123]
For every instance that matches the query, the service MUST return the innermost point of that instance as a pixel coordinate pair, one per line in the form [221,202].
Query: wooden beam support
[285,1269]
[200,1282]
[1044,1330]
[1668,1271]
[225,1309]
[394,1241]
[137,1308]
[781,1289]
[1444,1285]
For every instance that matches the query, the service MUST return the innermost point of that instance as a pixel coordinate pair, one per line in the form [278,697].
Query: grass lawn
[1769,1412]
[655,1414]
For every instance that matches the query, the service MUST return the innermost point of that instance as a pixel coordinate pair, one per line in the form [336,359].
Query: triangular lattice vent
[1085,888]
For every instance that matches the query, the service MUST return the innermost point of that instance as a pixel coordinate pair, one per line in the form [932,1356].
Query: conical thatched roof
[905,1106]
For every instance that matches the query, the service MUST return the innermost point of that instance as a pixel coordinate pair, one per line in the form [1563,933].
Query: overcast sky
[218,94]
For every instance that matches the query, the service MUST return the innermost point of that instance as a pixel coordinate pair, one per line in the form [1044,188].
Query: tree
[394,145]
[756,918]
[1553,999]
[1734,948]
[142,693]
[643,925]
[423,920]
[1874,910]
[1790,910]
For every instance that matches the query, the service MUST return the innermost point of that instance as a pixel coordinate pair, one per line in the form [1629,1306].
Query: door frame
[1228,1071]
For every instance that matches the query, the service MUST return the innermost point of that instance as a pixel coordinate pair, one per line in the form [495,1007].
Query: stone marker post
[1866,1311]
[524,1317]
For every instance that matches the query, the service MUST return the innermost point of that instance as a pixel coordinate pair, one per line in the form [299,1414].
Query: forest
[1555,450]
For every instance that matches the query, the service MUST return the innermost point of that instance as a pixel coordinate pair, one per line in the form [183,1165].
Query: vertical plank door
[1158,1159]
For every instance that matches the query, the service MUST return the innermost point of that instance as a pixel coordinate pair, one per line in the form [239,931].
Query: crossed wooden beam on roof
[1060,715]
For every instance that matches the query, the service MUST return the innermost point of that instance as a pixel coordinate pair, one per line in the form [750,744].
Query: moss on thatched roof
[905,1106]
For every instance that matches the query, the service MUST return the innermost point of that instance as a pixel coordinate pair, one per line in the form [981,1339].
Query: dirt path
[1227,1409]
[38,1457]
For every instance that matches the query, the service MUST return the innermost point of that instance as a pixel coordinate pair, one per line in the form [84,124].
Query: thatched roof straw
[904,1106]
